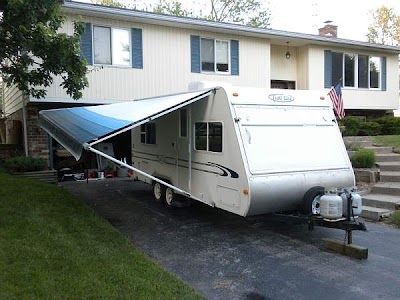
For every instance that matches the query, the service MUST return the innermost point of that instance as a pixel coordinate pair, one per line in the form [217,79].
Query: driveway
[224,256]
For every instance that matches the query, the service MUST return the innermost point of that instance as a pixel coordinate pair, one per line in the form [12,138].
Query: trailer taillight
[245,191]
[235,94]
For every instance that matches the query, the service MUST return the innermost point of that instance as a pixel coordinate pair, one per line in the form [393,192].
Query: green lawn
[388,140]
[53,246]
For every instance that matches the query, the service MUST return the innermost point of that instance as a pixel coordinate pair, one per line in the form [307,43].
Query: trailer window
[208,136]
[148,133]
[200,136]
[215,137]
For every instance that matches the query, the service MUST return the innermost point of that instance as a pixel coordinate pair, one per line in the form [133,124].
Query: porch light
[287,54]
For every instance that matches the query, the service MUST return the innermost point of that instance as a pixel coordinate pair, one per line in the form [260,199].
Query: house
[135,54]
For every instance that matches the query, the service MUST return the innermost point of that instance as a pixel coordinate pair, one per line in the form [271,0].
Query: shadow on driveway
[224,256]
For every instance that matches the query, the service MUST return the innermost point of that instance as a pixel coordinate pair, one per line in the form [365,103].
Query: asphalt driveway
[224,256]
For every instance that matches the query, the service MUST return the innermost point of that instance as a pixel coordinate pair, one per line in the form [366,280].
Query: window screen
[102,45]
[207,55]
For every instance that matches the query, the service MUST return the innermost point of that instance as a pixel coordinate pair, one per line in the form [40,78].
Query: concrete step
[354,139]
[374,213]
[361,141]
[380,150]
[382,201]
[387,188]
[393,176]
[392,157]
[389,166]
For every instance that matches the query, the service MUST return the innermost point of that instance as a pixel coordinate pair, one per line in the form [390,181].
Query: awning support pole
[190,148]
[89,148]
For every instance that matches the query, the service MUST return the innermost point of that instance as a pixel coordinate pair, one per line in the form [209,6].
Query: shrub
[25,164]
[395,219]
[351,124]
[389,125]
[353,146]
[369,129]
[363,158]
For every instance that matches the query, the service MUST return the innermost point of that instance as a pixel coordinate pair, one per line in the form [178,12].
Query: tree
[32,50]
[247,12]
[172,8]
[385,27]
[108,3]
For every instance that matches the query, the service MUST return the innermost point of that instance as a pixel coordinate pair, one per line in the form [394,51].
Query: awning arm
[89,148]
[155,116]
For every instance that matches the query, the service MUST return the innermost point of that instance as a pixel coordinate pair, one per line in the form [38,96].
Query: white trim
[112,28]
[228,72]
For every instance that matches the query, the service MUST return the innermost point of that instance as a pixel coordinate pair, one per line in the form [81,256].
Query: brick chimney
[328,30]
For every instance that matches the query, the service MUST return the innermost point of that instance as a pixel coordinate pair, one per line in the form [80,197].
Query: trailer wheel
[169,196]
[311,200]
[158,191]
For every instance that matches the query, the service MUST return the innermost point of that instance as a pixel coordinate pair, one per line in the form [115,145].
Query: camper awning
[74,128]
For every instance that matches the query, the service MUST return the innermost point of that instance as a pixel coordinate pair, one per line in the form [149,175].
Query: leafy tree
[108,3]
[247,12]
[32,50]
[172,8]
[385,27]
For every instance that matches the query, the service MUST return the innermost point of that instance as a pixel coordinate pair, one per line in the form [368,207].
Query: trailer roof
[79,127]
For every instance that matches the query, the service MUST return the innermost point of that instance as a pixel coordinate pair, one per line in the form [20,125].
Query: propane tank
[356,204]
[331,205]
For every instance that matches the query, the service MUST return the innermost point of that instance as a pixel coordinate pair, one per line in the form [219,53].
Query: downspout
[25,124]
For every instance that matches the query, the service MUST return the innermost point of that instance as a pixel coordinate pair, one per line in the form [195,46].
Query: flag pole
[340,80]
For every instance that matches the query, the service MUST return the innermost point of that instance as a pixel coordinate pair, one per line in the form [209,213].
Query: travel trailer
[248,151]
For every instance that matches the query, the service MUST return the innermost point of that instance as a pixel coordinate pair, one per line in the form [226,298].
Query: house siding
[303,61]
[12,100]
[281,67]
[166,65]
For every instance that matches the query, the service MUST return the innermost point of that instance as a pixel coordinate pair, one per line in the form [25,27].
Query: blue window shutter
[327,69]
[383,73]
[137,48]
[86,44]
[195,53]
[234,57]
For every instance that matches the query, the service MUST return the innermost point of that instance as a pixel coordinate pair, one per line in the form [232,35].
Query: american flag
[336,96]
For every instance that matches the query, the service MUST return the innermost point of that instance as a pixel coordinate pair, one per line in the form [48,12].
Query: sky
[351,16]
[306,16]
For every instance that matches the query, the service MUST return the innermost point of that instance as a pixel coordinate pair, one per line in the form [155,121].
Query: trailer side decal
[224,170]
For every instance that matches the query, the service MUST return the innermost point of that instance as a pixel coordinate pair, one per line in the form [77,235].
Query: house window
[363,71]
[374,72]
[214,55]
[356,70]
[183,123]
[111,46]
[148,133]
[208,136]
[349,70]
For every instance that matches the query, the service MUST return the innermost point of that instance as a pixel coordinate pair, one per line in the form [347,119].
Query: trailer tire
[169,196]
[311,202]
[158,191]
